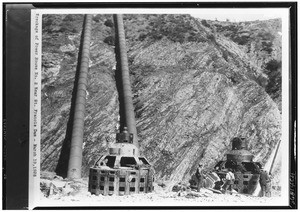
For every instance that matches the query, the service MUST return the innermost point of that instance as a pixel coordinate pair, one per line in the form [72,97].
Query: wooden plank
[214,190]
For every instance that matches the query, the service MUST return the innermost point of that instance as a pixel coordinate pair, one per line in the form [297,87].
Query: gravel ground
[70,193]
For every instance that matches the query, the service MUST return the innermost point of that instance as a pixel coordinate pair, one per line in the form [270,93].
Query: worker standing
[268,187]
[200,177]
[265,183]
[229,180]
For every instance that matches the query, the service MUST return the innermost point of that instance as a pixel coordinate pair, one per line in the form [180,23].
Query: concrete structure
[121,172]
[245,170]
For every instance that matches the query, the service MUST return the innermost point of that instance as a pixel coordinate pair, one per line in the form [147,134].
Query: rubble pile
[55,190]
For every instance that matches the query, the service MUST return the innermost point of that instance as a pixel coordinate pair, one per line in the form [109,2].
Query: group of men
[226,185]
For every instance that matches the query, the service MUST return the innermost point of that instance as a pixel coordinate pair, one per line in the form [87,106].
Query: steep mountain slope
[195,87]
[260,42]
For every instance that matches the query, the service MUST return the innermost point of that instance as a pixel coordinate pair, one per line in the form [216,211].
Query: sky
[238,14]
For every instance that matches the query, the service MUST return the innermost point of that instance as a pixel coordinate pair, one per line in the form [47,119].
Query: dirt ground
[59,192]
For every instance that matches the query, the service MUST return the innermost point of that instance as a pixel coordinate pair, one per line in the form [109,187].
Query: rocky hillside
[196,85]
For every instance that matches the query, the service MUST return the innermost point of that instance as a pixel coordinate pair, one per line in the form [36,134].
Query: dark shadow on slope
[63,161]
[118,78]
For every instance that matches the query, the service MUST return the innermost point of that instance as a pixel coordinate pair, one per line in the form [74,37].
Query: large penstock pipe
[126,93]
[75,160]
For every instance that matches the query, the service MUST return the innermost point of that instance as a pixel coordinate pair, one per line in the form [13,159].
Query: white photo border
[35,93]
